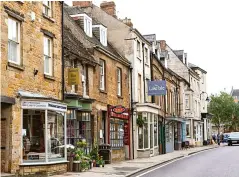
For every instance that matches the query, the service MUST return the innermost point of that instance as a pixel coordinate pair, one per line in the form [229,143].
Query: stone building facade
[31,78]
[107,83]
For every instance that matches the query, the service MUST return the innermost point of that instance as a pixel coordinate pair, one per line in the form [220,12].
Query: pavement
[132,167]
[221,162]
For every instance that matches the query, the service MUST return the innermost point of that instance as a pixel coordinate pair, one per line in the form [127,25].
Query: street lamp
[207,99]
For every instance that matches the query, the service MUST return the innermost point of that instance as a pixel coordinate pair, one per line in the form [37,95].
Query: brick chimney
[82,3]
[162,45]
[109,8]
[128,22]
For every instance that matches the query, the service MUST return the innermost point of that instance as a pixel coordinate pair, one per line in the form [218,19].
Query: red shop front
[119,132]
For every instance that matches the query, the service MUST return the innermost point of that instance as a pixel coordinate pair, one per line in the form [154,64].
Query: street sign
[157,87]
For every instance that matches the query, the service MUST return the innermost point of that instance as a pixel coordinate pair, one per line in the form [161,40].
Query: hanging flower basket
[140,121]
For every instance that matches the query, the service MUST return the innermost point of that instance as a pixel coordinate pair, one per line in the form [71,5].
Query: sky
[207,30]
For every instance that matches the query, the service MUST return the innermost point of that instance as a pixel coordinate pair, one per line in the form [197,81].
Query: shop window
[78,128]
[116,133]
[187,129]
[155,130]
[39,143]
[146,134]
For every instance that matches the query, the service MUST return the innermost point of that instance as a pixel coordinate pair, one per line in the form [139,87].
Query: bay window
[48,63]
[13,41]
[43,136]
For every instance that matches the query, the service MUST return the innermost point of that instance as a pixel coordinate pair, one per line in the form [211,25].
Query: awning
[31,95]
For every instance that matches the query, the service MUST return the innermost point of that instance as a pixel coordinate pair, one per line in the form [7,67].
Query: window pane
[146,145]
[55,134]
[46,65]
[46,46]
[33,136]
[12,51]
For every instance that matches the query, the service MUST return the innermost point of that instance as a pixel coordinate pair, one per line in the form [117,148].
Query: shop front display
[148,135]
[119,132]
[43,132]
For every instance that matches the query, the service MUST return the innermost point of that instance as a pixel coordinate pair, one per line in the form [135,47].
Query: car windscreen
[234,135]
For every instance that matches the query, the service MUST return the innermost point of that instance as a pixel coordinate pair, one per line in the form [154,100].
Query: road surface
[219,162]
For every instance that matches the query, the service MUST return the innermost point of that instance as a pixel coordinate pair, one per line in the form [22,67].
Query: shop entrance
[6,111]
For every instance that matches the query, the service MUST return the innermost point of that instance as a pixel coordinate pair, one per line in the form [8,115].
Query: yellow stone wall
[21,77]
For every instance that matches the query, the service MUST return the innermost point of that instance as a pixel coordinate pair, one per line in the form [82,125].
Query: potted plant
[140,121]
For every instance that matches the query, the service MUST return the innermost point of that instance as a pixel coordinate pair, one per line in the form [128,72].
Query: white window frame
[119,82]
[87,25]
[139,88]
[138,47]
[146,51]
[49,55]
[17,41]
[102,74]
[187,99]
[103,36]
[47,8]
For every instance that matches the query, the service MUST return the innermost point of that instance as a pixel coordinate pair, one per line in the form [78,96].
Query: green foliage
[95,152]
[222,107]
[140,121]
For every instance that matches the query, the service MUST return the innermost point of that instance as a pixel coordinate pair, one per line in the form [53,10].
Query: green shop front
[79,120]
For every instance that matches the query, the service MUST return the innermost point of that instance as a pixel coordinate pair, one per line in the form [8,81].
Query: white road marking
[172,162]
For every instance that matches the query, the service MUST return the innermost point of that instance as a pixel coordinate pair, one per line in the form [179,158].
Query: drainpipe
[62,53]
[144,73]
[164,139]
[132,109]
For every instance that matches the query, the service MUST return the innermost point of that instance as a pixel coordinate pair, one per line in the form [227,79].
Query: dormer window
[86,21]
[101,33]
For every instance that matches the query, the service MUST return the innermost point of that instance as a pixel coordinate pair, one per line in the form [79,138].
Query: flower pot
[76,166]
[101,166]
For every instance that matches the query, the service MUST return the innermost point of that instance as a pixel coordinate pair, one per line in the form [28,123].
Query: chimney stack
[109,8]
[162,45]
[82,3]
[128,22]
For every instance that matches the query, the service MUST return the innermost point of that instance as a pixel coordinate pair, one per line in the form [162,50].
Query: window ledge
[42,163]
[120,97]
[103,91]
[16,66]
[49,77]
[48,18]
[139,58]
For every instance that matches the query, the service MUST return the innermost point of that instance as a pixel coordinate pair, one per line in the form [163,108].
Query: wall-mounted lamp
[207,99]
[35,72]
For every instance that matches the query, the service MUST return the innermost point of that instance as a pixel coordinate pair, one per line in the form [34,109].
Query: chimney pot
[82,3]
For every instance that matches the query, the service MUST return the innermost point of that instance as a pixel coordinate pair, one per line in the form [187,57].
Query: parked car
[233,138]
[225,137]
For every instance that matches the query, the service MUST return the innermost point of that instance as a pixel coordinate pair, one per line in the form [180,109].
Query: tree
[222,107]
[235,118]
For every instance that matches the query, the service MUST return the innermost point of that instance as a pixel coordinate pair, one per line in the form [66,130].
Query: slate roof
[95,42]
[235,92]
[193,66]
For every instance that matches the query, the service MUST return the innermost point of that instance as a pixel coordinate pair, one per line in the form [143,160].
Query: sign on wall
[73,76]
[43,105]
[157,87]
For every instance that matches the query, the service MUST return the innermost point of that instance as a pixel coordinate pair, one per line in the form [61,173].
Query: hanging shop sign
[157,87]
[73,76]
[43,105]
[119,112]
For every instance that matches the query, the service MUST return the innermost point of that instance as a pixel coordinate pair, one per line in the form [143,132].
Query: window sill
[48,18]
[139,58]
[16,66]
[49,77]
[103,91]
[43,163]
[120,97]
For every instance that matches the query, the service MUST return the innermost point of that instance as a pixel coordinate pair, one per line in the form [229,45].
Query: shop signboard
[43,105]
[73,76]
[119,112]
[157,87]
